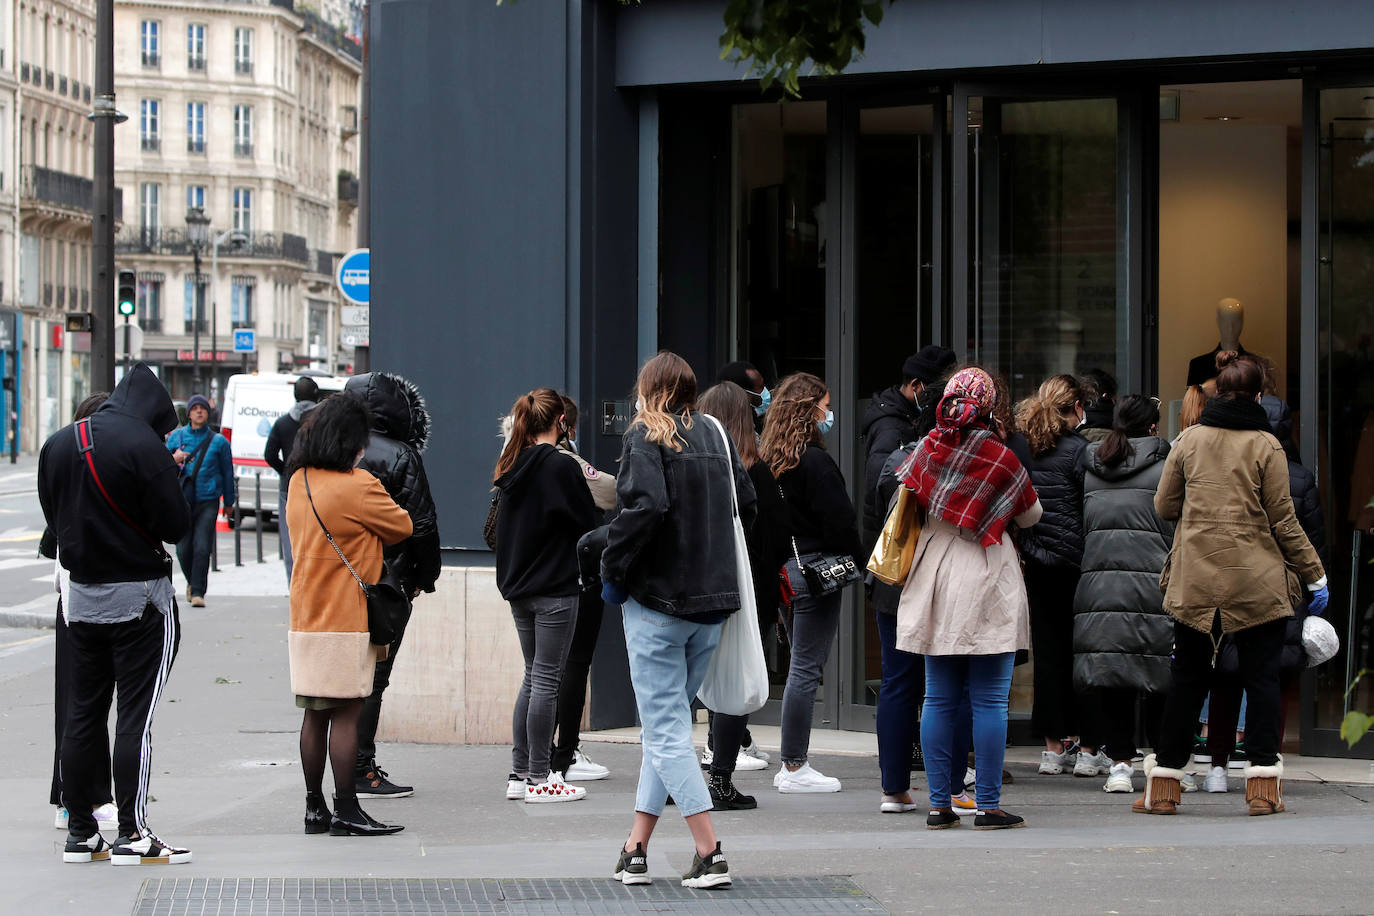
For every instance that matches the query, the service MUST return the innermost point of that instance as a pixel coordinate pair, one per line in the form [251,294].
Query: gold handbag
[896,547]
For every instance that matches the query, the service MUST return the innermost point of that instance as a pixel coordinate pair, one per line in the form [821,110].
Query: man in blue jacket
[207,475]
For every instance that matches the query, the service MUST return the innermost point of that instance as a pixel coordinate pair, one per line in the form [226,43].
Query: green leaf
[1355,726]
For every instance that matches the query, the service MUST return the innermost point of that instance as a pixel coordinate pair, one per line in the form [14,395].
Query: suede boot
[1264,788]
[1163,789]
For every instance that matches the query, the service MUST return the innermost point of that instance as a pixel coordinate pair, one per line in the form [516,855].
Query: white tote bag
[737,678]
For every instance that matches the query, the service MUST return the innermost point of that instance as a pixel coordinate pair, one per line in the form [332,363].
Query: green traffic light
[126,307]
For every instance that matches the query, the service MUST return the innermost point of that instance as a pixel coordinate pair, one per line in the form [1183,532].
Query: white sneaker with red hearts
[553,789]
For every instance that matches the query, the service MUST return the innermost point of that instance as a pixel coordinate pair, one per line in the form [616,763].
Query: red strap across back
[86,443]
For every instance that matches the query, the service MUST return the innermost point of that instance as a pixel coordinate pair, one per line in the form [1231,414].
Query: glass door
[1344,439]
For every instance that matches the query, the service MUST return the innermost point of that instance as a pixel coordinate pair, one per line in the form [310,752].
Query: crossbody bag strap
[305,475]
[729,462]
[85,443]
[201,451]
[796,554]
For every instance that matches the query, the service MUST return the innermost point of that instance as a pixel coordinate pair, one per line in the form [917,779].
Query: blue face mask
[765,398]
[823,427]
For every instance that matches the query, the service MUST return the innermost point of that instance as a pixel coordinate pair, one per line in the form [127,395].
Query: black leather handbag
[387,604]
[825,573]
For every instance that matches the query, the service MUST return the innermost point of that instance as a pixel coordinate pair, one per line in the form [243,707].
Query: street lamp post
[197,233]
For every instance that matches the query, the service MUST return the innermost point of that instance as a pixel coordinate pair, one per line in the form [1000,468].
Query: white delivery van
[252,403]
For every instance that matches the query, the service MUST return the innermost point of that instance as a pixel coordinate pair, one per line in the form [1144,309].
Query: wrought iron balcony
[243,150]
[152,144]
[61,189]
[195,144]
[348,189]
[279,245]
[196,64]
[243,67]
[152,60]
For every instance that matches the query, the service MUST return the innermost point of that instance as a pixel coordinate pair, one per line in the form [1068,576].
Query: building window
[243,51]
[150,124]
[150,210]
[195,47]
[241,307]
[195,316]
[243,209]
[150,304]
[243,131]
[195,196]
[195,127]
[150,45]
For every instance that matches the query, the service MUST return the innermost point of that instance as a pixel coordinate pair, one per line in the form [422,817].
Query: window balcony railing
[195,145]
[279,245]
[241,323]
[152,60]
[196,64]
[151,325]
[243,150]
[152,144]
[48,80]
[62,190]
[348,189]
[191,326]
[243,67]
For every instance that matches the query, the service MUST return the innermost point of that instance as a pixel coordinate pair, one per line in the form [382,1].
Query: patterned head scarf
[969,395]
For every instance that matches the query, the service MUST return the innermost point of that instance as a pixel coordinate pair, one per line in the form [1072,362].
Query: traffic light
[126,301]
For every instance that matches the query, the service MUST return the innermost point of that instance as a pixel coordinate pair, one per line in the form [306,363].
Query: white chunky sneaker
[1095,764]
[147,850]
[92,849]
[1215,780]
[585,769]
[707,758]
[1052,764]
[553,789]
[1188,783]
[1119,779]
[747,761]
[807,779]
[758,753]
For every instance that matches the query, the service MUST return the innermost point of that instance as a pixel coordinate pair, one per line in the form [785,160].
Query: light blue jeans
[984,682]
[668,659]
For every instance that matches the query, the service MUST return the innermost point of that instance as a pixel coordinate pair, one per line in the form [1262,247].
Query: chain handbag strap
[305,474]
[796,554]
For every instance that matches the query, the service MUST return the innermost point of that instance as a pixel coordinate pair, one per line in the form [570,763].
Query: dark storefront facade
[1045,188]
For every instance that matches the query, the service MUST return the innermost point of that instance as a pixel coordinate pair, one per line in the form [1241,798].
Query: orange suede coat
[331,654]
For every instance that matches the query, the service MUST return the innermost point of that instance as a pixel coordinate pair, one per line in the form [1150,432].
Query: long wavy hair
[790,424]
[667,389]
[531,416]
[730,404]
[1048,414]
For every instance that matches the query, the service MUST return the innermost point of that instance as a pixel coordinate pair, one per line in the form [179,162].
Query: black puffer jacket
[1122,638]
[889,423]
[1057,540]
[400,430]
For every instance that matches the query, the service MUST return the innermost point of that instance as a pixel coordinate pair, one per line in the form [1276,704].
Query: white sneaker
[707,757]
[898,804]
[1188,783]
[1096,764]
[1119,779]
[747,761]
[60,821]
[970,777]
[585,769]
[758,753]
[1052,764]
[106,817]
[553,789]
[805,780]
[1215,780]
[515,787]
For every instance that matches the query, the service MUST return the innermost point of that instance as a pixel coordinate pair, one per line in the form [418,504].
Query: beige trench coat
[1238,547]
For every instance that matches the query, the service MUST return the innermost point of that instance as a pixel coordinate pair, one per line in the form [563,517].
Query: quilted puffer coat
[1057,541]
[1122,638]
[400,431]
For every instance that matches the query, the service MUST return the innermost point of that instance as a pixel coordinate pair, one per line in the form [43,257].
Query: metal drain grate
[441,897]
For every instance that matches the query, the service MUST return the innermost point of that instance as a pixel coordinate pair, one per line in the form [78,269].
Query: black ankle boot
[351,820]
[725,797]
[317,816]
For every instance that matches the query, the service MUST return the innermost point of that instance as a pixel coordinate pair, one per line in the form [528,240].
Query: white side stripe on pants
[145,759]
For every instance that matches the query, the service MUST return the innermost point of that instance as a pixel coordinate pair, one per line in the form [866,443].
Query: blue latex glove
[1318,601]
[612,593]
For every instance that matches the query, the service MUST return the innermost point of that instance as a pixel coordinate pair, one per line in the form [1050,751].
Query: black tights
[334,731]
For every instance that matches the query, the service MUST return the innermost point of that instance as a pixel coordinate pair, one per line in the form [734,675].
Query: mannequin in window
[1230,322]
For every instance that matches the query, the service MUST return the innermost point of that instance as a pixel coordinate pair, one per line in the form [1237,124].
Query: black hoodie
[94,544]
[545,508]
[400,431]
[888,424]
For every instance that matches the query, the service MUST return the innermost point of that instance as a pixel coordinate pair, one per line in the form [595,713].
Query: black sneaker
[996,820]
[633,866]
[147,850]
[725,797]
[918,759]
[1238,760]
[370,782]
[709,872]
[92,849]
[941,820]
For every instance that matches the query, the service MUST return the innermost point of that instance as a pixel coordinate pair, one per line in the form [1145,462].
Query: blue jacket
[216,477]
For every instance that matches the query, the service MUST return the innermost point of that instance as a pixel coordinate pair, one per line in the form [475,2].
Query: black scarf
[1235,413]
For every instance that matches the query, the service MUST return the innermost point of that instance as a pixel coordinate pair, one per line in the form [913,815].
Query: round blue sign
[355,276]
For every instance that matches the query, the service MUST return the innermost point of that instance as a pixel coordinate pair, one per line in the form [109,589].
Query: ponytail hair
[1238,377]
[1048,414]
[531,416]
[1134,416]
[1194,400]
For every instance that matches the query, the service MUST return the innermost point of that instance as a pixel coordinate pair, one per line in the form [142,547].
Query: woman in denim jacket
[670,562]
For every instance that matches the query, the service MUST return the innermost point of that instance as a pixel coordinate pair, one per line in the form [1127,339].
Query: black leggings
[572,689]
[334,731]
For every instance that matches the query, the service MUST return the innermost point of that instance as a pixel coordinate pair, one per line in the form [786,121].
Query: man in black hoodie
[400,429]
[111,495]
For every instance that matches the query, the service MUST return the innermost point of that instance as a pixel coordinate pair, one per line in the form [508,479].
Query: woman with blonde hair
[670,563]
[545,508]
[1050,447]
[822,520]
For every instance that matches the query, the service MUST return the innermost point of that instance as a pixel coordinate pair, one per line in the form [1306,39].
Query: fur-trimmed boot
[1264,788]
[1163,789]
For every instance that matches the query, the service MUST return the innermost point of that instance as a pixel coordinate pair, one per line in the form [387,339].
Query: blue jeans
[282,532]
[193,550]
[668,659]
[899,711]
[986,681]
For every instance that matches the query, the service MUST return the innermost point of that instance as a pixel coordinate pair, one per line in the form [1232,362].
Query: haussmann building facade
[560,190]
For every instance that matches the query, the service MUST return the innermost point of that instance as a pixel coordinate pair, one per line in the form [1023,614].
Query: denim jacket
[673,545]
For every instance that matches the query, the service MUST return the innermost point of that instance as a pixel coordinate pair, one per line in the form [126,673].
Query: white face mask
[639,404]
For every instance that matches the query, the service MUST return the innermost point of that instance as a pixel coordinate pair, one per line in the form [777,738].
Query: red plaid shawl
[966,476]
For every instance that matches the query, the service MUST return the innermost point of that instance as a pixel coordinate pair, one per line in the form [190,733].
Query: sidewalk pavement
[227,783]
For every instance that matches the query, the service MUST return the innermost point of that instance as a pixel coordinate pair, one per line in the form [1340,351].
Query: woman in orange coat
[332,655]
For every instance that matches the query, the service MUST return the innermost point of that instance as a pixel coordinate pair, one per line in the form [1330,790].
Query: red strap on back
[86,444]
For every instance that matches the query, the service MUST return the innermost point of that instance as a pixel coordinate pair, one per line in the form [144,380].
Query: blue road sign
[245,340]
[354,276]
